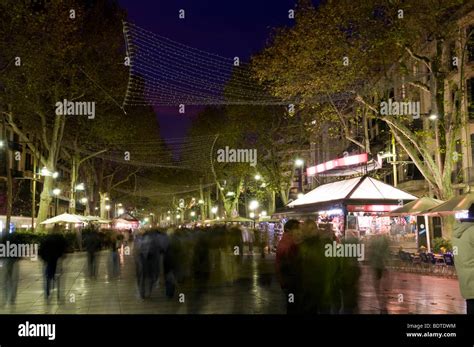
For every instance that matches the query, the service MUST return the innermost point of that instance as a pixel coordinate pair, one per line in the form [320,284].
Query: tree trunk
[45,201]
[201,197]
[9,201]
[209,203]
[72,201]
[271,203]
[54,147]
[103,203]
[9,180]
[284,195]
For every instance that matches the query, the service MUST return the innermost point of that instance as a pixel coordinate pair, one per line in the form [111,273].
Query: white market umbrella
[416,207]
[65,218]
[91,218]
[457,204]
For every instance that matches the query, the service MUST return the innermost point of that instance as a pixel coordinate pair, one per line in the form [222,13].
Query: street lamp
[56,192]
[44,171]
[80,187]
[252,216]
[192,213]
[253,205]
[299,162]
[107,207]
[120,211]
[84,201]
[201,201]
[258,177]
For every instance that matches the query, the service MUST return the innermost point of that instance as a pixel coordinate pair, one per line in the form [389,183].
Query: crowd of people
[311,281]
[201,257]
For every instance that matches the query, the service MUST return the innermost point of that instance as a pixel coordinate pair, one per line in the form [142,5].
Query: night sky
[225,27]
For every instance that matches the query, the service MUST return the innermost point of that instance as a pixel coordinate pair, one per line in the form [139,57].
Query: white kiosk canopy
[359,188]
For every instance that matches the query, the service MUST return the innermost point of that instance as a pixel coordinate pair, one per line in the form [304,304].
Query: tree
[370,49]
[40,48]
[77,56]
[228,177]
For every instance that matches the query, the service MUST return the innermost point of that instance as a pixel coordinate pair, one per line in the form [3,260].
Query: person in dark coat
[92,243]
[147,262]
[52,248]
[11,271]
[287,266]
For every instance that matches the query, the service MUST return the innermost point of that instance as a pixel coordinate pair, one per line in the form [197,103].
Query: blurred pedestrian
[348,280]
[463,242]
[287,267]
[379,255]
[92,243]
[318,275]
[145,247]
[52,248]
[151,249]
[11,271]
[115,244]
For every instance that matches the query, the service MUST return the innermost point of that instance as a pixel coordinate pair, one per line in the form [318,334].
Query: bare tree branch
[92,155]
[125,179]
[24,138]
[420,85]
[43,130]
[420,58]
[347,135]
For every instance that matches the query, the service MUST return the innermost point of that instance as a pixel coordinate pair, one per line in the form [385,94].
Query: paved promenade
[256,291]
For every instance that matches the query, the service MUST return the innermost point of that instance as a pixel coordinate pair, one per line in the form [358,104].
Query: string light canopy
[191,153]
[163,72]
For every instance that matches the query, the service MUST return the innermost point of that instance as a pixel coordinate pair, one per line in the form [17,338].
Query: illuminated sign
[337,163]
[371,208]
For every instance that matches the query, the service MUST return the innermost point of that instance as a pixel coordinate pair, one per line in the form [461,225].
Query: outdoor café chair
[438,262]
[449,262]
[425,261]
